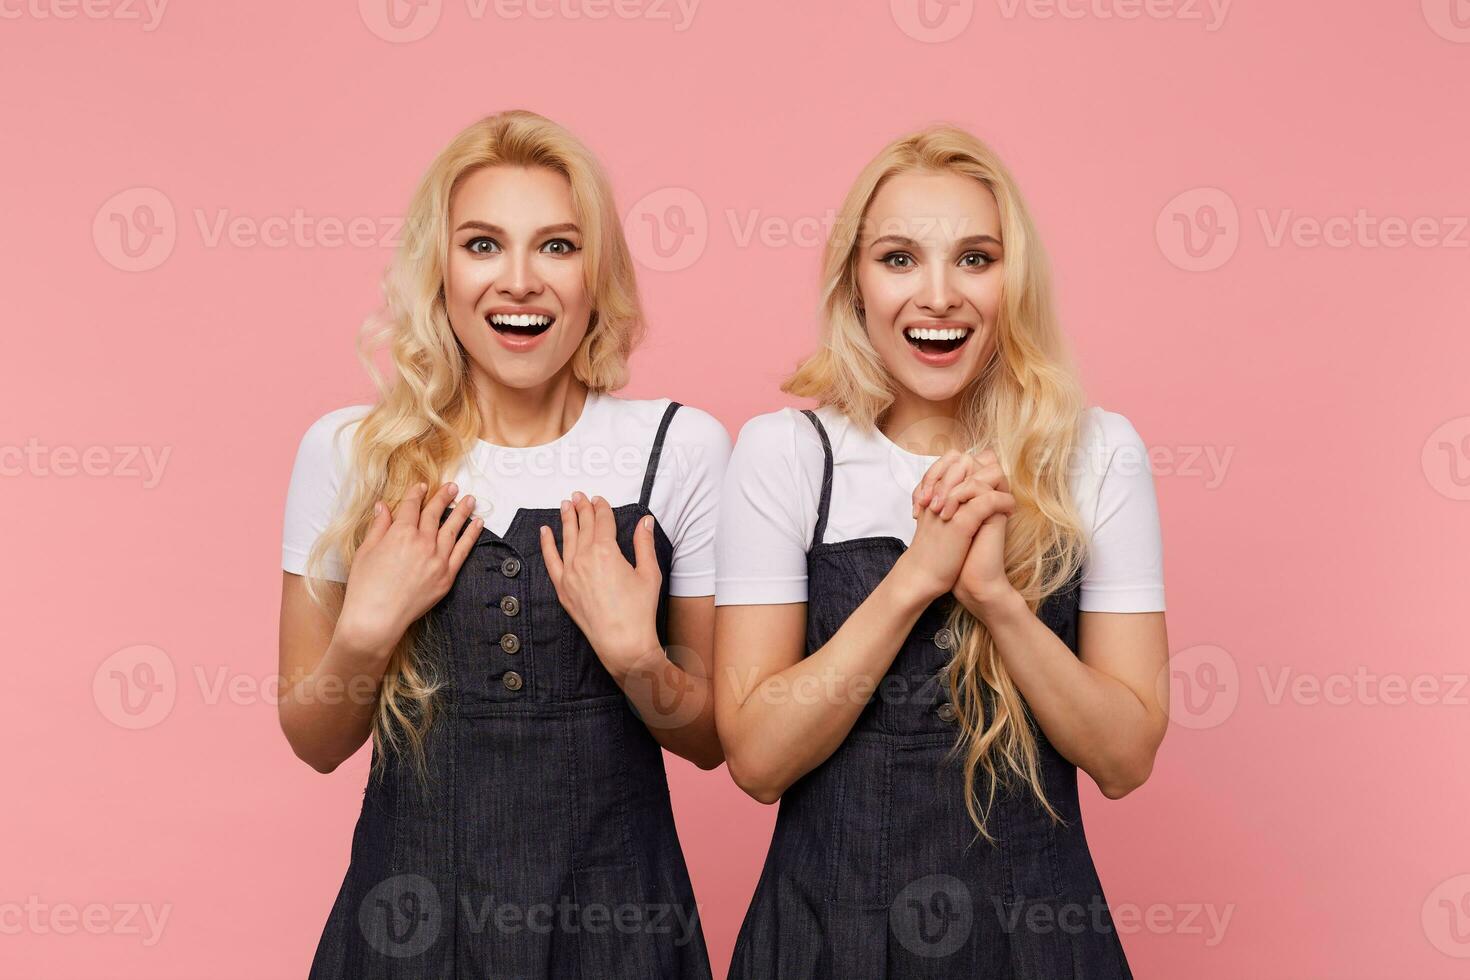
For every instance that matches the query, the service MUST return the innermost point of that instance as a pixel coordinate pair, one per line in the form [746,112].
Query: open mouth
[520,324]
[937,340]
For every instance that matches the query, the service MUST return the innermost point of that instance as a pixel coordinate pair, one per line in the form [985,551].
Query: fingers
[924,492]
[412,503]
[984,505]
[549,555]
[466,542]
[586,517]
[382,517]
[952,478]
[643,553]
[569,531]
[433,508]
[449,530]
[605,527]
[985,478]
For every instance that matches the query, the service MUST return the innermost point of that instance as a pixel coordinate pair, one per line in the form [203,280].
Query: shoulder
[1107,439]
[1112,471]
[329,438]
[1112,430]
[337,424]
[695,427]
[779,432]
[689,428]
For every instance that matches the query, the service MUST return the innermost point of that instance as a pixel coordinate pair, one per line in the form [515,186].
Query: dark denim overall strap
[826,499]
[656,452]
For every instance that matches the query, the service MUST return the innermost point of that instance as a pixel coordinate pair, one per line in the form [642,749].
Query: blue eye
[472,245]
[563,247]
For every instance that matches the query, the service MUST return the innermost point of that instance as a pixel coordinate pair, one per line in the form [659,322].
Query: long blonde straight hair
[1026,406]
[426,420]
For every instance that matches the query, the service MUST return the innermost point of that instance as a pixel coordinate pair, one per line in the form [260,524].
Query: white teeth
[928,333]
[520,320]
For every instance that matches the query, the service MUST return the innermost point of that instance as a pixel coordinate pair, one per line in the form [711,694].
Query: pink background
[1325,544]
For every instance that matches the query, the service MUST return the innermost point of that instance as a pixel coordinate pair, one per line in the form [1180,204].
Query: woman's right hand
[405,564]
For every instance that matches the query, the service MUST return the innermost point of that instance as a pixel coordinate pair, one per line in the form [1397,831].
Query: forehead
[933,209]
[512,197]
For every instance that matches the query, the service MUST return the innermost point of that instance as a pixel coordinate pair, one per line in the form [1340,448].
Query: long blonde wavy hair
[1026,406]
[427,418]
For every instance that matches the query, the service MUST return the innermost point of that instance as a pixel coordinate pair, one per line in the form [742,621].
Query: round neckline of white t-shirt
[879,438]
[591,405]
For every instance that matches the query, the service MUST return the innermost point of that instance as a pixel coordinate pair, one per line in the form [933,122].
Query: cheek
[464,282]
[883,296]
[569,282]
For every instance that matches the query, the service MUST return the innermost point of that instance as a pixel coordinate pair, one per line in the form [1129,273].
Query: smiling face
[928,271]
[514,287]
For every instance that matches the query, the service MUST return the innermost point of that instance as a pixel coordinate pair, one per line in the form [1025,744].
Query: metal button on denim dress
[874,870]
[545,844]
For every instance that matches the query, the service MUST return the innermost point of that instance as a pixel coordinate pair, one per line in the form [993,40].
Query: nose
[518,279]
[938,296]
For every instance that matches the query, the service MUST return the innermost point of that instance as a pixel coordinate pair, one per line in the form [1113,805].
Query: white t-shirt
[768,508]
[605,453]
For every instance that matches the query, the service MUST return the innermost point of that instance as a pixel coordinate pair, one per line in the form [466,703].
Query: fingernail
[453,488]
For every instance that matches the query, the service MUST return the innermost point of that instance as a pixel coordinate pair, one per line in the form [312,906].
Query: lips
[519,328]
[520,324]
[938,344]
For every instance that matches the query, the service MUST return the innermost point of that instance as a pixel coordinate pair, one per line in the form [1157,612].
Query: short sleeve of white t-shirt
[768,509]
[605,453]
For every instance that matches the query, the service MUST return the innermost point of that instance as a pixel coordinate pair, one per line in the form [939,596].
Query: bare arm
[673,693]
[1104,710]
[781,714]
[331,667]
[329,685]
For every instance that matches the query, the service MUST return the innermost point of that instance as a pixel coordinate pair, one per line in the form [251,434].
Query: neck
[901,420]
[522,417]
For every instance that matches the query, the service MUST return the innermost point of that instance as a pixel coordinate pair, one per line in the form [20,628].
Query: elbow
[754,782]
[709,760]
[320,763]
[1122,783]
[316,760]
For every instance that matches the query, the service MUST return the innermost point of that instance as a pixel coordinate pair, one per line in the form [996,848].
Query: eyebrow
[962,243]
[497,230]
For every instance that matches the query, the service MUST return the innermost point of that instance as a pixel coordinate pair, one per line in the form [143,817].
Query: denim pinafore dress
[872,872]
[545,845]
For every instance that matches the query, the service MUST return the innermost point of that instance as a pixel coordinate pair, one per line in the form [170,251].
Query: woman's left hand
[950,482]
[983,583]
[614,603]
